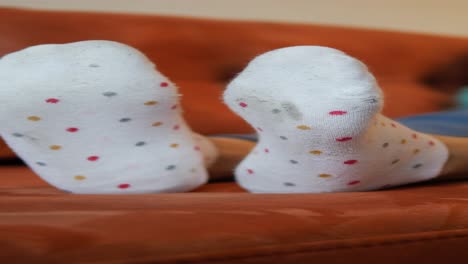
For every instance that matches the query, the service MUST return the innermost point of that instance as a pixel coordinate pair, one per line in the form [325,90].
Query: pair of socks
[97,117]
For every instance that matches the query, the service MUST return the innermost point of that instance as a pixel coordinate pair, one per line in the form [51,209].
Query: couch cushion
[222,224]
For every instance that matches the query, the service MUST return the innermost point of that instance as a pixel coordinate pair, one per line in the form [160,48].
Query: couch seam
[323,249]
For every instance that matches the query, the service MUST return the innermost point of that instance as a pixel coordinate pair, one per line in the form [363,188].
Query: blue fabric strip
[449,123]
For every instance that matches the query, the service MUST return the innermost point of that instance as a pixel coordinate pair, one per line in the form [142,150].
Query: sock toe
[315,110]
[97,117]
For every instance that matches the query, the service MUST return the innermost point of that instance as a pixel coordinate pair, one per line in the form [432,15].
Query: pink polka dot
[354,182]
[267,150]
[250,171]
[176,127]
[72,129]
[338,112]
[393,125]
[174,107]
[197,148]
[52,100]
[124,186]
[431,143]
[343,139]
[93,158]
[164,84]
[242,104]
[350,162]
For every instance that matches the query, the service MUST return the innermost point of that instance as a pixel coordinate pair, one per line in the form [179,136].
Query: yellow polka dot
[151,102]
[34,118]
[55,147]
[416,151]
[315,152]
[174,145]
[304,127]
[403,141]
[324,175]
[80,177]
[157,124]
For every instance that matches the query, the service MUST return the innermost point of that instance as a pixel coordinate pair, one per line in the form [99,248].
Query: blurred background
[449,17]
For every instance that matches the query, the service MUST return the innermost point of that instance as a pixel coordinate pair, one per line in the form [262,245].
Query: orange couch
[219,223]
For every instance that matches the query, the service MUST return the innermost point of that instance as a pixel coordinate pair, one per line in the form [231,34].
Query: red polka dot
[267,150]
[52,100]
[350,162]
[431,143]
[338,112]
[197,148]
[72,129]
[354,182]
[393,125]
[164,84]
[250,171]
[415,136]
[174,107]
[124,186]
[243,104]
[93,158]
[176,127]
[343,139]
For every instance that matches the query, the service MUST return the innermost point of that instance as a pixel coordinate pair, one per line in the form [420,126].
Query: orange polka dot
[80,177]
[34,118]
[315,152]
[304,127]
[55,147]
[157,124]
[403,141]
[324,175]
[174,145]
[151,103]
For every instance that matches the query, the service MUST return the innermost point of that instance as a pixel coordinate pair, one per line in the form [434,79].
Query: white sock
[97,117]
[316,111]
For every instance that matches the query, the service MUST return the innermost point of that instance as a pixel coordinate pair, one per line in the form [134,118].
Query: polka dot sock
[316,111]
[96,117]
